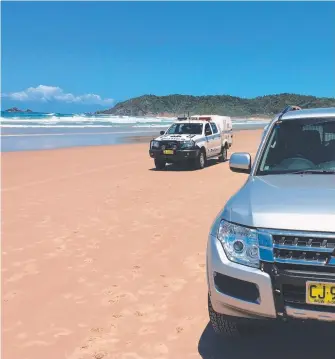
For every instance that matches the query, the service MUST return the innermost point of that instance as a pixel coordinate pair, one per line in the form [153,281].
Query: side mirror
[240,162]
[207,133]
[162,133]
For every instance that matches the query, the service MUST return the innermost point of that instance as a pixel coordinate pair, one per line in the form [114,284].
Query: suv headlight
[239,243]
[154,144]
[188,144]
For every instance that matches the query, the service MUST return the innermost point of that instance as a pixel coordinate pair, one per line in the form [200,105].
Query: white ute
[196,138]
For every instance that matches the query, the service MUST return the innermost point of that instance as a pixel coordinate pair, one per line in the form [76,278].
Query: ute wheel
[224,154]
[200,161]
[159,164]
[220,324]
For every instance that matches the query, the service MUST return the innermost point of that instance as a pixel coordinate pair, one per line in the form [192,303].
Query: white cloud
[44,93]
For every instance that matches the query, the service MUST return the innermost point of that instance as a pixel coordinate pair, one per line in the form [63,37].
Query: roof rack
[195,118]
[288,109]
[201,118]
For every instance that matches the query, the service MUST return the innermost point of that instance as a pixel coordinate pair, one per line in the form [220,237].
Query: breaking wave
[56,120]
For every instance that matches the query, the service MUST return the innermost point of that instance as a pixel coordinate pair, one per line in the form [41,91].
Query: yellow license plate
[321,293]
[168,152]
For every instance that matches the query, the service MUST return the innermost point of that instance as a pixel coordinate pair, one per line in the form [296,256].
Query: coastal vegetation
[173,105]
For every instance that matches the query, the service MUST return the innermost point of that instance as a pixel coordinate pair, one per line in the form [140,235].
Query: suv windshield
[299,145]
[185,128]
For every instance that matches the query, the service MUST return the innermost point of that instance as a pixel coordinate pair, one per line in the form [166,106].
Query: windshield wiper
[310,171]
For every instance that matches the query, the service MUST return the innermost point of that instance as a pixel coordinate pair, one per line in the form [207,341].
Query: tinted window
[215,129]
[208,129]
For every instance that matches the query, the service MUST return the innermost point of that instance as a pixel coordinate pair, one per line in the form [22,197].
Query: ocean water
[37,131]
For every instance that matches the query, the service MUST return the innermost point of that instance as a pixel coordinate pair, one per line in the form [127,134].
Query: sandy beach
[104,257]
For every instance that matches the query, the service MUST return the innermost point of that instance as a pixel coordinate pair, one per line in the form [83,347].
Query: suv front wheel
[221,324]
[227,327]
[159,164]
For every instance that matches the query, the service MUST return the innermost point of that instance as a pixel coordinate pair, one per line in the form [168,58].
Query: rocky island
[15,109]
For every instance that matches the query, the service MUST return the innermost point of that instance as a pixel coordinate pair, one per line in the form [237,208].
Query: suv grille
[304,248]
[169,145]
[296,295]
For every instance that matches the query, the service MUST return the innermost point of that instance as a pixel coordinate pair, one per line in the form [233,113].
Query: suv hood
[184,137]
[291,202]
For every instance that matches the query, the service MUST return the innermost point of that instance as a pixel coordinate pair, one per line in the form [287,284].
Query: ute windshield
[185,129]
[299,146]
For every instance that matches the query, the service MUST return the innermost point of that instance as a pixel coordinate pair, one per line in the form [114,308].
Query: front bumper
[177,156]
[263,294]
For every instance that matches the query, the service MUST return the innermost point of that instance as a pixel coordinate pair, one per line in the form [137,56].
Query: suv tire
[221,325]
[159,164]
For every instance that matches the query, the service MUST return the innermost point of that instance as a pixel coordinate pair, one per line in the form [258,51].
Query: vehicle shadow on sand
[280,341]
[182,167]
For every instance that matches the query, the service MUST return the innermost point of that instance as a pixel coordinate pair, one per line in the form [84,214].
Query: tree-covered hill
[173,105]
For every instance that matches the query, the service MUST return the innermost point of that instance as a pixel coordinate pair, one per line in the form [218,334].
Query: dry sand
[103,257]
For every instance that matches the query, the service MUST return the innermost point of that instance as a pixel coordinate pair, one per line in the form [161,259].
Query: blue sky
[81,56]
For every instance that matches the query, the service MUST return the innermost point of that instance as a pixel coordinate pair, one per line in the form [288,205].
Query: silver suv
[271,250]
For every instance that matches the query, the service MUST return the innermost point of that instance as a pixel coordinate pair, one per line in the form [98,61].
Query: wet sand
[104,257]
[51,138]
